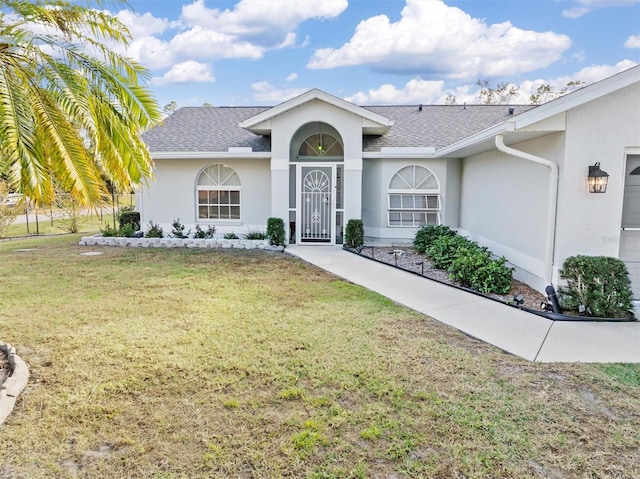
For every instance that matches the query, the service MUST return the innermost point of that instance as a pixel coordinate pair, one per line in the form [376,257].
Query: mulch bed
[411,260]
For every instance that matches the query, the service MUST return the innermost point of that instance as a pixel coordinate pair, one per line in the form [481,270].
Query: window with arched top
[321,144]
[218,189]
[413,198]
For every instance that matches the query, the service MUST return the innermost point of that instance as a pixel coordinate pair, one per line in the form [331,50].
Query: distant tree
[170,107]
[503,92]
[450,100]
[208,105]
[546,92]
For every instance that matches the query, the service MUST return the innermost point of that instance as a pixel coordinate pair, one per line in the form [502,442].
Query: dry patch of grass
[196,363]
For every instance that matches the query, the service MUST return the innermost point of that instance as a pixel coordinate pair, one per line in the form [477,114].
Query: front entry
[630,234]
[317,204]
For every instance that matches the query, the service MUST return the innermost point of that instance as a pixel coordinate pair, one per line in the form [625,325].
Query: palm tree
[71,108]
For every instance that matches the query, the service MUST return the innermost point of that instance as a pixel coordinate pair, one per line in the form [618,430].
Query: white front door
[630,234]
[317,204]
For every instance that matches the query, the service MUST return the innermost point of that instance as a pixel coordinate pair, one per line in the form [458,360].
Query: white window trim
[431,192]
[221,187]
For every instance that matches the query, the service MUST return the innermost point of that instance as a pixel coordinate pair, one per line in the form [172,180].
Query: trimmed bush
[445,249]
[108,232]
[600,283]
[275,231]
[426,235]
[476,269]
[354,234]
[127,216]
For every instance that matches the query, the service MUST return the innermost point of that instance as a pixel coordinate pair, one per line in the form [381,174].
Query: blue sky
[262,52]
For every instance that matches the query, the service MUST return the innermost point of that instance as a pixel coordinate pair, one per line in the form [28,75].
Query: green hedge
[275,231]
[469,264]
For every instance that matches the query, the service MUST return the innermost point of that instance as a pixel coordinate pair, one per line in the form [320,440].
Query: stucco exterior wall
[504,204]
[598,131]
[377,174]
[173,195]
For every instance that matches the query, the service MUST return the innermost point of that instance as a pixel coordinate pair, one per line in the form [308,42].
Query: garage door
[630,234]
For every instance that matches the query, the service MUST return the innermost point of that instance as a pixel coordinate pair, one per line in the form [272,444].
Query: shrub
[474,268]
[275,231]
[206,234]
[107,231]
[154,231]
[600,283]
[354,234]
[127,230]
[127,216]
[445,249]
[230,236]
[426,235]
[256,235]
[178,230]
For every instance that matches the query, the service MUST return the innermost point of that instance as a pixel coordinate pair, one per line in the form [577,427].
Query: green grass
[222,363]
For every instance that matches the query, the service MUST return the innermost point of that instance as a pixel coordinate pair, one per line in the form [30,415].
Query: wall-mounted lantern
[598,179]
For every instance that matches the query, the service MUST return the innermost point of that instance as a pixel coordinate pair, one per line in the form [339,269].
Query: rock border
[178,243]
[14,384]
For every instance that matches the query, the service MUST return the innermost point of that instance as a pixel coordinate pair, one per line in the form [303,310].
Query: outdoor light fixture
[597,179]
[518,299]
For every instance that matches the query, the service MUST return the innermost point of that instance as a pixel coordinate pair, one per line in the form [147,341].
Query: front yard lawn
[247,364]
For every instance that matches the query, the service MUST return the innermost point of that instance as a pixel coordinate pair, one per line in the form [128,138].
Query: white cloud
[419,91]
[633,41]
[201,43]
[292,77]
[415,91]
[142,25]
[268,24]
[189,71]
[265,92]
[433,38]
[582,7]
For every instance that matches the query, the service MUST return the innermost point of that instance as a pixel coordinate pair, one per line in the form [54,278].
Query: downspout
[553,200]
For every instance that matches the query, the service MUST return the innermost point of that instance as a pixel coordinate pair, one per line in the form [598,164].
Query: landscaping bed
[408,259]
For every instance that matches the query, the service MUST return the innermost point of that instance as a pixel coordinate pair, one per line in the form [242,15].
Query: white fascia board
[209,155]
[409,152]
[578,97]
[488,134]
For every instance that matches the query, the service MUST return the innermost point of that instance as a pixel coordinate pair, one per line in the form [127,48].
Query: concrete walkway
[524,334]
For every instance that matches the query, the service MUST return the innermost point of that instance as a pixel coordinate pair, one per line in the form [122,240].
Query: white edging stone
[178,243]
[14,384]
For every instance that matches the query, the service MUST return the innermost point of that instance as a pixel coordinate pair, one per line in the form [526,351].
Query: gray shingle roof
[206,128]
[216,128]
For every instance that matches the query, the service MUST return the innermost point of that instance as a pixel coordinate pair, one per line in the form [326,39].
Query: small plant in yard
[354,234]
[230,236]
[426,235]
[178,230]
[256,235]
[154,231]
[370,433]
[127,230]
[108,231]
[275,231]
[204,234]
[598,283]
[71,217]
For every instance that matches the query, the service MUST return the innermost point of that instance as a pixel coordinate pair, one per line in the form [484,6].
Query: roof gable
[372,123]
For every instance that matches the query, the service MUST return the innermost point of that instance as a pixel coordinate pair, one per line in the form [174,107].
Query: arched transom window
[414,198]
[321,144]
[218,193]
